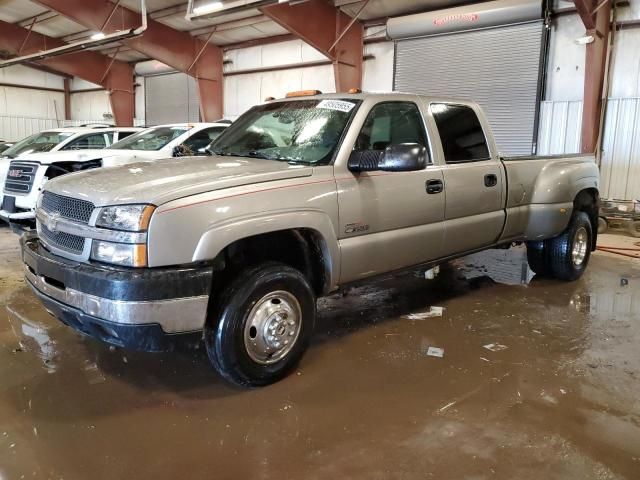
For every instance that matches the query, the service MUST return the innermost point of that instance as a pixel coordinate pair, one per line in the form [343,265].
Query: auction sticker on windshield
[339,105]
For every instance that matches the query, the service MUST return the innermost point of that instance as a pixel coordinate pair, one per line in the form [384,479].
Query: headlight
[126,255]
[131,218]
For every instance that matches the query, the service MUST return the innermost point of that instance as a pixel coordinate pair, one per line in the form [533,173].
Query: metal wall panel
[497,67]
[171,98]
[620,163]
[560,127]
[13,129]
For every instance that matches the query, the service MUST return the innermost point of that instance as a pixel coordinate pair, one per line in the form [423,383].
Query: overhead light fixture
[97,40]
[585,40]
[207,8]
[215,9]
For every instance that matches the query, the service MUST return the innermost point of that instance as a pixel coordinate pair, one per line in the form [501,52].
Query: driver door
[388,221]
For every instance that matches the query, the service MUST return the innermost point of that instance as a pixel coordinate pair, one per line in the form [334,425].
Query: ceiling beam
[197,58]
[114,76]
[329,30]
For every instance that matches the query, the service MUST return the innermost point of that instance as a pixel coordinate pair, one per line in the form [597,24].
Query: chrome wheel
[272,327]
[580,245]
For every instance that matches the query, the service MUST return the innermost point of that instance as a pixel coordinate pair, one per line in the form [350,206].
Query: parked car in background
[5,146]
[26,175]
[303,196]
[38,150]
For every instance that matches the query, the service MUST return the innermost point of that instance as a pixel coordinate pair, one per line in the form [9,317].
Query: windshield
[301,131]
[151,139]
[40,142]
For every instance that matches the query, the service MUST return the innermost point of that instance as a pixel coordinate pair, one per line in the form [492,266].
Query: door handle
[434,186]
[490,180]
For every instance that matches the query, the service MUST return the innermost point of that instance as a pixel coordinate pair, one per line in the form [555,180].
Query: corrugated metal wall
[620,164]
[560,124]
[560,129]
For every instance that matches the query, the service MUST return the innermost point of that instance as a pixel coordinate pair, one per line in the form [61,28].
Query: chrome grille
[63,240]
[20,177]
[70,208]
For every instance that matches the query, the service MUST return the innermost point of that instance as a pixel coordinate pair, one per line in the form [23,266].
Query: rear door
[473,179]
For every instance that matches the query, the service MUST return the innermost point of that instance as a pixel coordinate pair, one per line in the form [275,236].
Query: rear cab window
[461,133]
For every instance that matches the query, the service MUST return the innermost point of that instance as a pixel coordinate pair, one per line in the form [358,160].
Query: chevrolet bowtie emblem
[52,221]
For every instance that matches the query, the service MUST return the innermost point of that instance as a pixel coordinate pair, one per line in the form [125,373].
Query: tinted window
[391,123]
[122,135]
[461,134]
[96,140]
[201,140]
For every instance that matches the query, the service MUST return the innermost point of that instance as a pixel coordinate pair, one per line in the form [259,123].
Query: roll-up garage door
[489,52]
[171,98]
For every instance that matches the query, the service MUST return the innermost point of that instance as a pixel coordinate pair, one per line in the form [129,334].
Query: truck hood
[161,181]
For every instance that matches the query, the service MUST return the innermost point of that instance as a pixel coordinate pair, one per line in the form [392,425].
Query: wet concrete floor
[562,401]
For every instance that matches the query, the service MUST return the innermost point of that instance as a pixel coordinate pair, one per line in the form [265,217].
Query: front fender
[220,235]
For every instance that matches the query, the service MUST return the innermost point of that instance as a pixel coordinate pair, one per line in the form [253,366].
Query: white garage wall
[25,111]
[377,75]
[560,120]
[244,91]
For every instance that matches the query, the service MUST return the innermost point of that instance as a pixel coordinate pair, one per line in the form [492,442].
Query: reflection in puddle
[508,267]
[35,332]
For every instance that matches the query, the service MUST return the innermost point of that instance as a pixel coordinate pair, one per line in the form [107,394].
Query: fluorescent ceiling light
[207,8]
[97,36]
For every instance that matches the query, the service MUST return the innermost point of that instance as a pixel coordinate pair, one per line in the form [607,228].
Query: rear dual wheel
[566,256]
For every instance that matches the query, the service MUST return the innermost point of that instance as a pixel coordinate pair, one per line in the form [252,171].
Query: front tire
[261,325]
[568,254]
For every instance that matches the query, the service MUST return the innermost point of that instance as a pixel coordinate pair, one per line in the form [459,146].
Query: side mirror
[405,157]
[364,160]
[182,151]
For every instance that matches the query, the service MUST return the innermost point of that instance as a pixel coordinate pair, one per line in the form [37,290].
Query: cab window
[95,140]
[391,123]
[461,133]
[198,142]
[122,135]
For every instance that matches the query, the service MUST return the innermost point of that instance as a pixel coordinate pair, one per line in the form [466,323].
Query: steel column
[596,18]
[324,26]
[89,66]
[165,44]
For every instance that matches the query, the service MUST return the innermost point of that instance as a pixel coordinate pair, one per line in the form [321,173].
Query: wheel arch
[303,240]
[588,200]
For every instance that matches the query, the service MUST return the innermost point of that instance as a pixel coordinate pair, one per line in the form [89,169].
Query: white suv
[24,176]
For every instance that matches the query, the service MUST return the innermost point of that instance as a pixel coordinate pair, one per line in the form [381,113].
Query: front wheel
[261,325]
[568,254]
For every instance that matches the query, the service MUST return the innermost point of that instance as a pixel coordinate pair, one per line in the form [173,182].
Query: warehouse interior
[475,362]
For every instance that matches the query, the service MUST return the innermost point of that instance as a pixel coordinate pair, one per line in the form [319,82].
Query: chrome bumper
[174,315]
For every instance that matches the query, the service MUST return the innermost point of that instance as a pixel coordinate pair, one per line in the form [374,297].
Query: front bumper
[142,309]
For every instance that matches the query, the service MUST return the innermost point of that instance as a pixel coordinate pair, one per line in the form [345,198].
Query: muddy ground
[562,401]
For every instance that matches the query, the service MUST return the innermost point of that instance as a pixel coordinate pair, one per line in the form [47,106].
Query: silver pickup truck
[302,196]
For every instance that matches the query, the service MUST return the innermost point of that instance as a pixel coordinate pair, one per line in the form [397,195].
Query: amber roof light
[304,93]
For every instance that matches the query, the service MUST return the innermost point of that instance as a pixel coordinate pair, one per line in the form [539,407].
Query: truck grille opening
[64,241]
[71,208]
[20,177]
